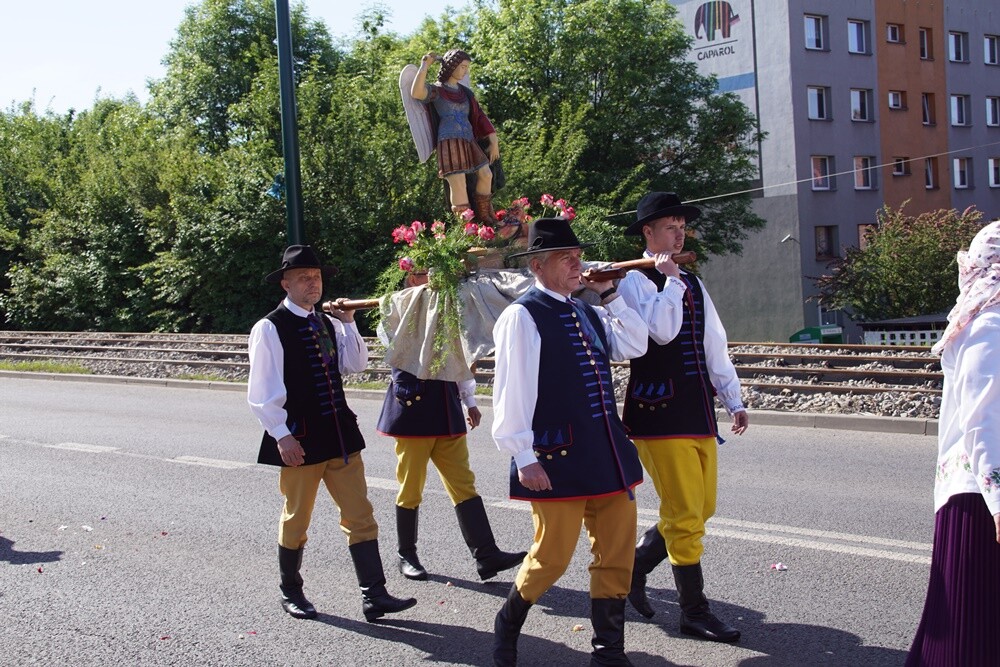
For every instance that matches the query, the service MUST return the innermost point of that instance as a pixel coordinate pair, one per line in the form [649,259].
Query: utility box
[827,333]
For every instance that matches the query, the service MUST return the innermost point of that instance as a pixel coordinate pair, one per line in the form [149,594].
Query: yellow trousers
[684,472]
[450,457]
[348,488]
[610,523]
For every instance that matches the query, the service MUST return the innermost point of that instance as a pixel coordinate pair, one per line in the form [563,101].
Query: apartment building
[865,103]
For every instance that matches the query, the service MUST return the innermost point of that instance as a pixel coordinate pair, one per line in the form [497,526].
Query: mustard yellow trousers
[450,457]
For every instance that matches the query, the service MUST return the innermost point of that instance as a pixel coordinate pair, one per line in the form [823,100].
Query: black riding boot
[478,536]
[649,552]
[376,602]
[696,619]
[293,600]
[607,615]
[406,532]
[507,628]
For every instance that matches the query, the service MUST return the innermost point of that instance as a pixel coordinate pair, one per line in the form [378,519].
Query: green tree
[596,99]
[906,268]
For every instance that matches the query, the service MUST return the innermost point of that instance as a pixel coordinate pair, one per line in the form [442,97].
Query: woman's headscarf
[978,282]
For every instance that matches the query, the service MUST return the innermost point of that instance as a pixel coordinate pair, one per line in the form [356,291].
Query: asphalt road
[136,529]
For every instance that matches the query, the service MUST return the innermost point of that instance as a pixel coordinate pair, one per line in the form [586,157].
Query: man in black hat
[670,410]
[295,390]
[555,414]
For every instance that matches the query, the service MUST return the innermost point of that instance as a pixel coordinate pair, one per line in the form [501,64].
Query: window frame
[931,181]
[959,115]
[900,99]
[822,102]
[926,44]
[992,111]
[823,182]
[864,96]
[958,46]
[991,50]
[889,28]
[901,166]
[928,116]
[961,173]
[821,37]
[866,172]
[828,234]
[993,171]
[858,30]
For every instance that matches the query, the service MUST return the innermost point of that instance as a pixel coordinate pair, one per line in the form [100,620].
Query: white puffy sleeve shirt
[265,384]
[515,384]
[969,425]
[663,313]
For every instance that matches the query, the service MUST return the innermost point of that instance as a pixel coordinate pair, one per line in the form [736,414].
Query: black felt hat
[299,257]
[550,234]
[658,205]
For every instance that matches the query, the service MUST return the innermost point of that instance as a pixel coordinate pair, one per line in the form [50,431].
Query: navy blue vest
[669,392]
[318,415]
[579,439]
[415,408]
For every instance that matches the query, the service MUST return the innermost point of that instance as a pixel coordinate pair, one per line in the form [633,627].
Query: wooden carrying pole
[619,269]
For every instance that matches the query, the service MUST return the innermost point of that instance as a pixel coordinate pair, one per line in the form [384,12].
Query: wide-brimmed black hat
[658,205]
[299,257]
[550,234]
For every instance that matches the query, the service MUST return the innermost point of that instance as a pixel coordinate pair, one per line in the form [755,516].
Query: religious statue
[445,116]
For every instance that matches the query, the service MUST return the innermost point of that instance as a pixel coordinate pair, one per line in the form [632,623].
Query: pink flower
[547,200]
[471,229]
[569,213]
[524,203]
[560,204]
[399,234]
[486,233]
[501,214]
[417,226]
[409,235]
[468,214]
[406,264]
[437,227]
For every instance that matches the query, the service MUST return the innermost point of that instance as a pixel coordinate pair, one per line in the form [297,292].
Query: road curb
[873,423]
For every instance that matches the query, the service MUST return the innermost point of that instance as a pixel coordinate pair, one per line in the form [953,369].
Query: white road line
[822,546]
[211,463]
[82,447]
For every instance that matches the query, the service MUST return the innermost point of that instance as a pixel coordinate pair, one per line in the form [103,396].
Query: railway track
[780,368]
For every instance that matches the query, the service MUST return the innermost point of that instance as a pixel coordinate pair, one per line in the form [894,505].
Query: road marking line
[822,546]
[82,447]
[211,463]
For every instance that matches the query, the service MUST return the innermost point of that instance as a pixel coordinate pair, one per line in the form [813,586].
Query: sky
[64,53]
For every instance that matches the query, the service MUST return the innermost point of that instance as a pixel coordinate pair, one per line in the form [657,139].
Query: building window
[927,108]
[961,172]
[819,103]
[960,110]
[897,99]
[931,173]
[826,242]
[894,33]
[926,53]
[900,166]
[991,49]
[815,32]
[857,36]
[958,47]
[864,174]
[863,231]
[994,169]
[821,169]
[993,111]
[861,104]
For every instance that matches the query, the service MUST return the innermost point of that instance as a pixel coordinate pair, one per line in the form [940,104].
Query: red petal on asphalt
[252,632]
[39,570]
[165,637]
[163,532]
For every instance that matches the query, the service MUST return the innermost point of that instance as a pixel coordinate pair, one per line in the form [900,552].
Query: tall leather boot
[607,615]
[696,619]
[406,532]
[483,207]
[649,552]
[293,600]
[376,602]
[478,536]
[507,628]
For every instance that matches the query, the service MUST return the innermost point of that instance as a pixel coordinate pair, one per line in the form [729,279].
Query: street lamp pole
[289,125]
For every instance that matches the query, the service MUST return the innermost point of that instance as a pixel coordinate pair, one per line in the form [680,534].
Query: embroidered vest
[578,437]
[415,408]
[318,415]
[669,392]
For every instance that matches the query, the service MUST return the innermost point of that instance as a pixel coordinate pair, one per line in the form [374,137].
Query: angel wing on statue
[445,116]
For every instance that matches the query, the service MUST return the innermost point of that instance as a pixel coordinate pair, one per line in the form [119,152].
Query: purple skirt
[960,625]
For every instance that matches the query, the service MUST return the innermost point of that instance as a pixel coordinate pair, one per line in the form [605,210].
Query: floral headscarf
[978,282]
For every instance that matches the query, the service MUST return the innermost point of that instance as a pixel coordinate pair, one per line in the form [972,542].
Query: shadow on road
[7,553]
